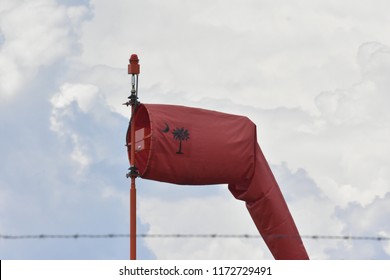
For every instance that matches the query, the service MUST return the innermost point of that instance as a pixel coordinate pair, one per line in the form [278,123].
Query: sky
[312,75]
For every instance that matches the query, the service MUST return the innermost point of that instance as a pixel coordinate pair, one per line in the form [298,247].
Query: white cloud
[86,97]
[79,112]
[365,221]
[84,94]
[36,33]
[357,116]
[274,55]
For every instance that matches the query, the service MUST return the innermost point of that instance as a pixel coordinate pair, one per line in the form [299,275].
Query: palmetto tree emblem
[180,134]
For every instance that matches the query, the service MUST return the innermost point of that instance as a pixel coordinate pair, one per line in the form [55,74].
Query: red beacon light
[133,67]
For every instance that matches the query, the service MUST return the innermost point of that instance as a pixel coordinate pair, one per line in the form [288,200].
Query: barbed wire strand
[145,235]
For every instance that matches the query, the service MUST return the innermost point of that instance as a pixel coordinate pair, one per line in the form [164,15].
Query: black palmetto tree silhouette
[180,134]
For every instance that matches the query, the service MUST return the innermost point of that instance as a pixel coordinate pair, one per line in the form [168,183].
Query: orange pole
[133,202]
[133,223]
[134,70]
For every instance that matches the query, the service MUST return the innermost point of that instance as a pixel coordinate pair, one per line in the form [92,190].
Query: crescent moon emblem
[166,129]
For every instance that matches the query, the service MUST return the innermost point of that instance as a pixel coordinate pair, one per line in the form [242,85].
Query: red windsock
[191,146]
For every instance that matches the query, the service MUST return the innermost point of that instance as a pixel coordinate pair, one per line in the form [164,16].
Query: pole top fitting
[133,67]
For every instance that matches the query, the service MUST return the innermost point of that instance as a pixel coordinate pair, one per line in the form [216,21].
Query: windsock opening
[142,138]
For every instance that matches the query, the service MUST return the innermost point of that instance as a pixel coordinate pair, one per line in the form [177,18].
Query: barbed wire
[147,235]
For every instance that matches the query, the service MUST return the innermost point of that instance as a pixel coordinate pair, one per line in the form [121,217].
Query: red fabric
[191,146]
[270,213]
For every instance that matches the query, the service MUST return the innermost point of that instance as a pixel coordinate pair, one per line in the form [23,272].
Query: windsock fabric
[270,213]
[192,146]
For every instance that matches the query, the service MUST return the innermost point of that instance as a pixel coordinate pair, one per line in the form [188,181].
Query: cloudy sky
[313,76]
